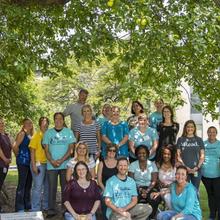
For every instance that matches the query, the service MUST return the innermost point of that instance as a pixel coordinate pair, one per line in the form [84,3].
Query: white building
[187,112]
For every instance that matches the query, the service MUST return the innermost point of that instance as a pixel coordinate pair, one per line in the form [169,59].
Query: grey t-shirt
[74,110]
[190,150]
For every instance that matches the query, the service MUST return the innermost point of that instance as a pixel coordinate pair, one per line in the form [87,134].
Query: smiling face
[181,176]
[142,122]
[142,154]
[190,129]
[58,121]
[83,97]
[166,155]
[107,111]
[137,109]
[44,125]
[212,133]
[27,125]
[115,113]
[158,105]
[111,152]
[122,167]
[81,171]
[166,113]
[81,150]
[87,112]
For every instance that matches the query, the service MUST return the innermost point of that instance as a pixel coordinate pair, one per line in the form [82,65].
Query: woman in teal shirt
[184,200]
[211,172]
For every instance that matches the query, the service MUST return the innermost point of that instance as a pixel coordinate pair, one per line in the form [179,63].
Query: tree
[157,43]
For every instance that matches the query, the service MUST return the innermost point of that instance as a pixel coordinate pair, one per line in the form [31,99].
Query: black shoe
[50,214]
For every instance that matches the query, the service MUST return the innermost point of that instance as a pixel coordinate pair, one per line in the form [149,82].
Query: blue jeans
[167,215]
[68,216]
[23,192]
[39,189]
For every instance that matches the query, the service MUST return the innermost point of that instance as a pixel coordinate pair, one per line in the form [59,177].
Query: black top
[167,134]
[108,172]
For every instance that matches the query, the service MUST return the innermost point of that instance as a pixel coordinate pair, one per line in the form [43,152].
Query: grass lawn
[12,179]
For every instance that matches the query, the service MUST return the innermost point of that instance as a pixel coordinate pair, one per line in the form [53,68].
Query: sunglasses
[111,150]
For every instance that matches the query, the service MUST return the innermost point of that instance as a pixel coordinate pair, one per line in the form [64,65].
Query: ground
[9,201]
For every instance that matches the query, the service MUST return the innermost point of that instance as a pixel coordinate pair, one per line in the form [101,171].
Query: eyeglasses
[111,150]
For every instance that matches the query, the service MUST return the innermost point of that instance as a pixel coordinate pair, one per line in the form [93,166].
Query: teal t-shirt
[120,192]
[143,178]
[101,120]
[155,119]
[147,138]
[211,165]
[58,143]
[186,202]
[115,133]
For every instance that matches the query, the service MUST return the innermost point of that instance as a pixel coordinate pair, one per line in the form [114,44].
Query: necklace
[84,185]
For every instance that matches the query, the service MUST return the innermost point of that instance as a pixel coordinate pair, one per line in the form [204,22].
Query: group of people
[140,164]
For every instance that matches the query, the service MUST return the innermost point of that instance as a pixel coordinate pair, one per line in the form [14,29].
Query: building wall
[187,112]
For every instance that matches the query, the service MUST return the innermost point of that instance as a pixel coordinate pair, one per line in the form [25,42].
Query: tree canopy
[152,44]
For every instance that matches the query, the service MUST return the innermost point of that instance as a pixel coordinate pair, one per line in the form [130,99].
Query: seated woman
[184,199]
[81,154]
[145,174]
[106,169]
[166,170]
[81,195]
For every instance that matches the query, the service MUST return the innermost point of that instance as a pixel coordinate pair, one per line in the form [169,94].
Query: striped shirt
[88,133]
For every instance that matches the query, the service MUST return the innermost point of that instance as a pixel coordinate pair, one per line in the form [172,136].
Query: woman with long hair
[136,109]
[190,152]
[166,171]
[211,172]
[82,195]
[106,169]
[5,154]
[23,159]
[81,154]
[167,129]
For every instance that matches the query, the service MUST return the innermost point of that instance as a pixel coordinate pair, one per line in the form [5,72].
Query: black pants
[212,186]
[153,202]
[2,178]
[23,192]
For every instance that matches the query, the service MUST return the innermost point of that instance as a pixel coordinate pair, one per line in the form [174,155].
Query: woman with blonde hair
[81,154]
[89,131]
[23,159]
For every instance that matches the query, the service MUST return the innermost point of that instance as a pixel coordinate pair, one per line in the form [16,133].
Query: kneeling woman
[184,200]
[81,195]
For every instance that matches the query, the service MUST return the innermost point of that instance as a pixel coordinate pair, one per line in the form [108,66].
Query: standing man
[74,110]
[121,196]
